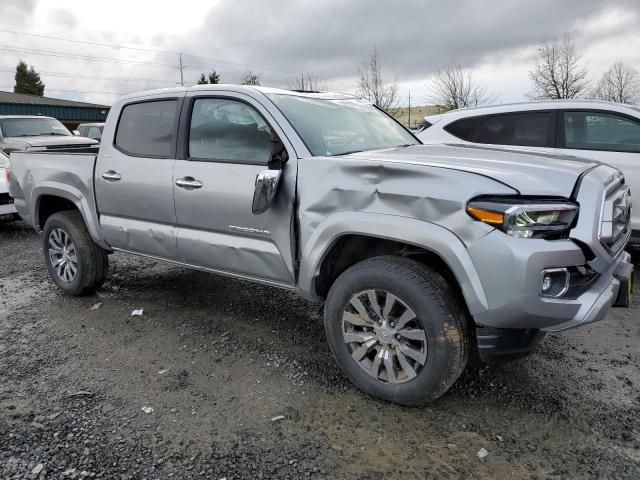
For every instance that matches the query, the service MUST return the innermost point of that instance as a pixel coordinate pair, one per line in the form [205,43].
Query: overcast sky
[280,39]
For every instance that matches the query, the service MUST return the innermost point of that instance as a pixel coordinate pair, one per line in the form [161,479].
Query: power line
[75,91]
[96,77]
[54,53]
[112,45]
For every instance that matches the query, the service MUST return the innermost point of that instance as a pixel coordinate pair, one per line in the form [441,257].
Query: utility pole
[302,76]
[409,108]
[181,67]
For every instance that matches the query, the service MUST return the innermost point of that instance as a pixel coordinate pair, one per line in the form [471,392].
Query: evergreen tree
[28,80]
[212,79]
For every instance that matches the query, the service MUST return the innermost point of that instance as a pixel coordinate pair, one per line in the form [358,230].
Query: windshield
[29,127]
[338,127]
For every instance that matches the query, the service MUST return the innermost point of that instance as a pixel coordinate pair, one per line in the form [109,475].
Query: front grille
[63,147]
[5,199]
[615,224]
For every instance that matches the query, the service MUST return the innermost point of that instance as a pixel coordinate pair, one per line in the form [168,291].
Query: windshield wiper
[47,134]
[348,152]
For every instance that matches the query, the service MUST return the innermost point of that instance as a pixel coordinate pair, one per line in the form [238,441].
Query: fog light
[555,282]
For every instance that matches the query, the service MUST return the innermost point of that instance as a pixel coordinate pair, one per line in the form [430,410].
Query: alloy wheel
[384,336]
[63,256]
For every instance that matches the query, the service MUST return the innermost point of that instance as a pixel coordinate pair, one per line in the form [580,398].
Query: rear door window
[533,129]
[147,129]
[601,131]
[465,128]
[522,129]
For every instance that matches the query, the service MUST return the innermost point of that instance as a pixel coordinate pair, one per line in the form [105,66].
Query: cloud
[63,19]
[329,38]
[280,39]
[19,12]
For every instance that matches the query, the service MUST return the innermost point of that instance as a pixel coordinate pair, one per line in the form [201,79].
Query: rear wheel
[75,262]
[397,330]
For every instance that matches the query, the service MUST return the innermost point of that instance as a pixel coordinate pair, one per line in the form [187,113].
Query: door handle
[111,176]
[188,183]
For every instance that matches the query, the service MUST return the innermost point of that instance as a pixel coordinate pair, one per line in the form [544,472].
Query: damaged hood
[529,173]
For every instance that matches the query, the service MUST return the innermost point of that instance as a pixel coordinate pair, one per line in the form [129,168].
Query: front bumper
[510,270]
[8,209]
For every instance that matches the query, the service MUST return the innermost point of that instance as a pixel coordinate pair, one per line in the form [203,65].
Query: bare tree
[454,86]
[372,86]
[307,82]
[558,73]
[620,83]
[250,78]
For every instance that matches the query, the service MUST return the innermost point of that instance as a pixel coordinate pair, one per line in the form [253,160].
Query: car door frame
[288,185]
[106,153]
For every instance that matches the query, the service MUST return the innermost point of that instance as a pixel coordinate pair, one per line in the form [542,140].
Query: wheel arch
[345,238]
[52,198]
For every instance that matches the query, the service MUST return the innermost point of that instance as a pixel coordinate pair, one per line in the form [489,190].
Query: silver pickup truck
[422,254]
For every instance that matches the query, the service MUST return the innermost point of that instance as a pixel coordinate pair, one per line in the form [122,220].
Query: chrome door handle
[111,176]
[188,183]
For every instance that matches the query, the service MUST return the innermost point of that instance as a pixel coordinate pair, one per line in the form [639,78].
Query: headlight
[523,218]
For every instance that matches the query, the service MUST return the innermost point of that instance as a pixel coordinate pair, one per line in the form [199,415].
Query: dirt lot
[217,359]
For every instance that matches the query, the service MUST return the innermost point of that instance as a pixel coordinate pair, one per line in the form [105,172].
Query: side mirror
[76,133]
[265,190]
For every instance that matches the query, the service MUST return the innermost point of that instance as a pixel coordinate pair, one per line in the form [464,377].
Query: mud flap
[624,273]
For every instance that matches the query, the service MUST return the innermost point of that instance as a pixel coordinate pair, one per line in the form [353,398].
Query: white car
[7,208]
[604,131]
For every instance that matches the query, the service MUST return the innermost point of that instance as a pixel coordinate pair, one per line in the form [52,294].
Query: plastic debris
[96,306]
[137,313]
[163,371]
[482,454]
[81,393]
[278,418]
[147,409]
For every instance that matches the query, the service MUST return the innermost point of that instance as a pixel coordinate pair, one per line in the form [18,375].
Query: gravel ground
[224,379]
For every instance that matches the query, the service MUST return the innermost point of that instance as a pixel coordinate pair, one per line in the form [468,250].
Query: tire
[416,291]
[64,234]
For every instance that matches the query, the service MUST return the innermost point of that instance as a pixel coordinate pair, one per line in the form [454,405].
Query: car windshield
[338,127]
[29,127]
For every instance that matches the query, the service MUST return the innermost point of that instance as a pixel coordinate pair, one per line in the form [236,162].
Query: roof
[242,89]
[540,105]
[24,99]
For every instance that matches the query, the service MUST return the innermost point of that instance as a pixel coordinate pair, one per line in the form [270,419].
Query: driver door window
[228,131]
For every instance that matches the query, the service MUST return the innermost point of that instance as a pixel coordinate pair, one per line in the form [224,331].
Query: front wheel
[397,330]
[75,262]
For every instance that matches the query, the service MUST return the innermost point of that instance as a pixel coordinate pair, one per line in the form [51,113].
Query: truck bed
[64,173]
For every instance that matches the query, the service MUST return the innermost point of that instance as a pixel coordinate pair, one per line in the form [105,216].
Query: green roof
[22,104]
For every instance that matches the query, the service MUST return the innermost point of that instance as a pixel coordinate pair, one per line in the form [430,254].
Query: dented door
[228,145]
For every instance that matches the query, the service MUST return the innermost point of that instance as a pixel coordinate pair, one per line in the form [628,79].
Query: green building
[69,112]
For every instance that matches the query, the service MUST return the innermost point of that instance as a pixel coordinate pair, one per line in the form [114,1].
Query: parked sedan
[91,130]
[604,131]
[7,208]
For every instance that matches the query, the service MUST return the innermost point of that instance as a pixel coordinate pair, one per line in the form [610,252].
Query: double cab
[420,253]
